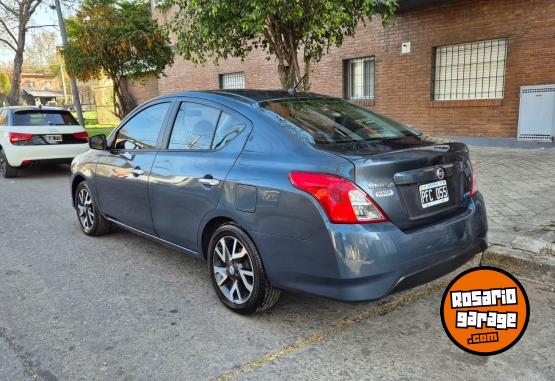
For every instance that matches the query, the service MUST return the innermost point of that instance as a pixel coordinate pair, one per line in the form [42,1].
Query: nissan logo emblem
[440,173]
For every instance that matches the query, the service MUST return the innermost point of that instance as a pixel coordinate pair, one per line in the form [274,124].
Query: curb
[519,262]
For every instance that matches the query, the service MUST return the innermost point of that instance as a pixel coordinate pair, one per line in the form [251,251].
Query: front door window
[143,129]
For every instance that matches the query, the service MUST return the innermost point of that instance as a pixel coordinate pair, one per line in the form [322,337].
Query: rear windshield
[43,118]
[333,121]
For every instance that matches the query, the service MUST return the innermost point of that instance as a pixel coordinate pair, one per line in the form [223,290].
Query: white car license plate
[434,193]
[54,138]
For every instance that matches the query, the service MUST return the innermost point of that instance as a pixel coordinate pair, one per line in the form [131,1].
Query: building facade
[40,81]
[40,88]
[452,67]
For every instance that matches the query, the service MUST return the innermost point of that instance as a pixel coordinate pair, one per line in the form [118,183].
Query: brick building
[40,88]
[40,81]
[451,67]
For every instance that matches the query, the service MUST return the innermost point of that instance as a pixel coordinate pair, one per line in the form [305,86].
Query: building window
[232,80]
[359,74]
[470,71]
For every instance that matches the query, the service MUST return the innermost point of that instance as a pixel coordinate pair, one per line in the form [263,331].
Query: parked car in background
[285,191]
[33,135]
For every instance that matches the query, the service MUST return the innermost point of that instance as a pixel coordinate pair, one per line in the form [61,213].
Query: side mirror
[98,142]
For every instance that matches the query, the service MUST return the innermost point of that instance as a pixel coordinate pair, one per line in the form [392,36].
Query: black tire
[92,222]
[6,169]
[262,296]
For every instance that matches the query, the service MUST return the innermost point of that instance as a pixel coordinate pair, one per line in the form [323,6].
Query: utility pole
[74,89]
[62,70]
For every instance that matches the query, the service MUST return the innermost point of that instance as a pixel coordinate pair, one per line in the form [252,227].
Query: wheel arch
[213,222]
[209,228]
[77,179]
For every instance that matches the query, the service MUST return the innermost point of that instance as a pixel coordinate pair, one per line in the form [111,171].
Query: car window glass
[228,128]
[331,121]
[194,126]
[43,118]
[3,119]
[142,130]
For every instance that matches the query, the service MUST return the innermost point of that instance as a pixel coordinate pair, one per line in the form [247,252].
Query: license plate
[434,193]
[54,138]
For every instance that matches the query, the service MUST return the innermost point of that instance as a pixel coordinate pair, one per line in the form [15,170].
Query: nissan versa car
[33,135]
[285,191]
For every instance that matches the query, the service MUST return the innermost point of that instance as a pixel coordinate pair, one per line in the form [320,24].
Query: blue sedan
[280,191]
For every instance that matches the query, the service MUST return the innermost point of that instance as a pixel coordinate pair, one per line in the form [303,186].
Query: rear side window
[201,127]
[334,121]
[43,118]
[142,130]
[228,128]
[3,118]
[194,127]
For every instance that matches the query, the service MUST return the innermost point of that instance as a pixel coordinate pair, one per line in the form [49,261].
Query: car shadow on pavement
[44,170]
[315,311]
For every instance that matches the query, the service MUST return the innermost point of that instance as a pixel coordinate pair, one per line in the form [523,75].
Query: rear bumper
[366,262]
[16,155]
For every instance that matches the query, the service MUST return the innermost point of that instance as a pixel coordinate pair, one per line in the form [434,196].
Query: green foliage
[219,29]
[4,84]
[117,38]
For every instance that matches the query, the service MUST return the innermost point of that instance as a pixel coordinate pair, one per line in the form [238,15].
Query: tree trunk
[21,11]
[13,96]
[118,107]
[123,101]
[306,76]
[291,75]
[283,44]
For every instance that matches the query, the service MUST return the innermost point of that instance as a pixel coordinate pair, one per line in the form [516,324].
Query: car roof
[32,108]
[248,95]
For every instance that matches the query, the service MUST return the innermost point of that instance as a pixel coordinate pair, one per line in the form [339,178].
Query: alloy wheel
[233,269]
[85,209]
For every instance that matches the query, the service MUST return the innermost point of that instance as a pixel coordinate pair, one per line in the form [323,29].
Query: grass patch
[91,121]
[97,131]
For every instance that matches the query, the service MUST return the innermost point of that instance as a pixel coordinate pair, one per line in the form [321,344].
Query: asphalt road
[123,308]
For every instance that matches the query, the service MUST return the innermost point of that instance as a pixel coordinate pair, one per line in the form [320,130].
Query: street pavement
[121,307]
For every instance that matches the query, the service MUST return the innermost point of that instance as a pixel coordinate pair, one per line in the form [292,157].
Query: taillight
[83,135]
[17,137]
[473,182]
[343,201]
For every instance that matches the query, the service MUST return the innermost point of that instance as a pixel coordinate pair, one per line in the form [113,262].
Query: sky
[43,16]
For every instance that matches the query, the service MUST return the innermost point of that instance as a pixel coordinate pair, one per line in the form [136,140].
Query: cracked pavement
[121,307]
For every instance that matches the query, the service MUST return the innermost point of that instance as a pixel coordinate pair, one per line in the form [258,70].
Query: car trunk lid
[415,180]
[50,135]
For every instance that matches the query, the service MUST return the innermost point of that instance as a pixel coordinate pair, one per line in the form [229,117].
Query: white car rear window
[43,118]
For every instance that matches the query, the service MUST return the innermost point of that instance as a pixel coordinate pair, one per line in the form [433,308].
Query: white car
[32,135]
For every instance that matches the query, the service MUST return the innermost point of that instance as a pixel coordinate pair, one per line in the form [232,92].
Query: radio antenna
[293,90]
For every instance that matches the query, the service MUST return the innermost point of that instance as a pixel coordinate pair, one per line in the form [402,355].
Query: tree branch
[9,44]
[34,7]
[8,9]
[8,30]
[41,26]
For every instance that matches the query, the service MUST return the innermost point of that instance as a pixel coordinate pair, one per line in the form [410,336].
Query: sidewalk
[519,188]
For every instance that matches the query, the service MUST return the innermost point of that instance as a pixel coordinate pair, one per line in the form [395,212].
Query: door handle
[137,172]
[209,181]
